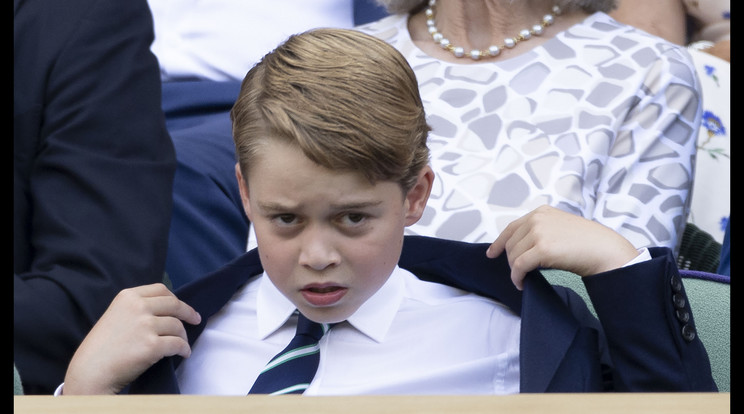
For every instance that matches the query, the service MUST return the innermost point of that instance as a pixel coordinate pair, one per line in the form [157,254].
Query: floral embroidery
[724,223]
[714,126]
[711,71]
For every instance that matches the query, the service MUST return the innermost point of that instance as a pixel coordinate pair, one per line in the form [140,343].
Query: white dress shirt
[411,337]
[408,338]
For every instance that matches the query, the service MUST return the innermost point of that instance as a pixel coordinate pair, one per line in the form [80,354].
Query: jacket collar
[548,328]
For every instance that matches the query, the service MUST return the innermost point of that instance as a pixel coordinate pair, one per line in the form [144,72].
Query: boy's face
[327,239]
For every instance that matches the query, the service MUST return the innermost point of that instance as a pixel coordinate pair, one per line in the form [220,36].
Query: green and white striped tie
[292,370]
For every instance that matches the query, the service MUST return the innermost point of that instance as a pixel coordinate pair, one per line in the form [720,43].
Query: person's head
[589,6]
[330,135]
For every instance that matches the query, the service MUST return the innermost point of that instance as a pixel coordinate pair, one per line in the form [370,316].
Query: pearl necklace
[494,50]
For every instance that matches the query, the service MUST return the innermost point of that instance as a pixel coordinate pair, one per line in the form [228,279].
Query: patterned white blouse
[600,121]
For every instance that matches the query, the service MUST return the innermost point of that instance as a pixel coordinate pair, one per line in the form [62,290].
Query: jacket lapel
[210,294]
[548,332]
[548,327]
[207,296]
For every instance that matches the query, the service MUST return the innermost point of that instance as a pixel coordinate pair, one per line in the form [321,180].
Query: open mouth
[323,295]
[327,289]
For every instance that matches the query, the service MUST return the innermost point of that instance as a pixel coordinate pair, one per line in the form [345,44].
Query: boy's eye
[355,217]
[353,220]
[286,218]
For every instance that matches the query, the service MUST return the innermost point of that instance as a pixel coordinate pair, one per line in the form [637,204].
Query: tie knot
[309,328]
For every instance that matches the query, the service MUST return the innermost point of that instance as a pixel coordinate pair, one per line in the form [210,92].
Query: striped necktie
[292,370]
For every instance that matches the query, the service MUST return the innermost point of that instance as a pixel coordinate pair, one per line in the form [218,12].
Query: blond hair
[348,100]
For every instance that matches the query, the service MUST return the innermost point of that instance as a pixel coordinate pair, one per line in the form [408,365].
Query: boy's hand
[141,326]
[550,238]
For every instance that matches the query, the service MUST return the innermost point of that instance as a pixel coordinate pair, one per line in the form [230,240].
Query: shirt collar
[376,315]
[272,308]
[373,318]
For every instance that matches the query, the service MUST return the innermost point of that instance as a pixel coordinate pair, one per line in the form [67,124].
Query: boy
[331,139]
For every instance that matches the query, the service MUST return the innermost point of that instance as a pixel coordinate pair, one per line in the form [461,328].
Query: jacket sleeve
[650,328]
[93,173]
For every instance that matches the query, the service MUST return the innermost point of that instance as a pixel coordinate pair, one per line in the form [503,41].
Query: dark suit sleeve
[93,173]
[650,327]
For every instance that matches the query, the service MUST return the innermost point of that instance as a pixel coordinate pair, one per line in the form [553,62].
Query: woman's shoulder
[601,32]
[617,33]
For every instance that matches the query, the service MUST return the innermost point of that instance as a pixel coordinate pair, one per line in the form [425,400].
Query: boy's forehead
[270,150]
[277,159]
[283,175]
[307,191]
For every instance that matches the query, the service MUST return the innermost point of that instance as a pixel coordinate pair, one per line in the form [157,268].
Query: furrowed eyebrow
[270,207]
[274,207]
[355,206]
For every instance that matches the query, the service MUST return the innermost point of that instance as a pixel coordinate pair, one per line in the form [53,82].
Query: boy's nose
[318,250]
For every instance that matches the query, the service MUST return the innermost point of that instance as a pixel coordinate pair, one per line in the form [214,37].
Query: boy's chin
[328,315]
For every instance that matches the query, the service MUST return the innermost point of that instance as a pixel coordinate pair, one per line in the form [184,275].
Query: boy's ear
[243,191]
[418,196]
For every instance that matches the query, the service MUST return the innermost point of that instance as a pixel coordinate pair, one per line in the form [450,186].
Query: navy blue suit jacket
[93,169]
[640,344]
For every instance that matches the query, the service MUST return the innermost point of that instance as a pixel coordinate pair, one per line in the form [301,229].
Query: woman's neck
[479,24]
